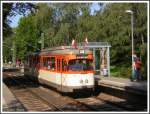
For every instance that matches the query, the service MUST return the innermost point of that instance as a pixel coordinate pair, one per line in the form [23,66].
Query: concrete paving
[9,101]
[122,84]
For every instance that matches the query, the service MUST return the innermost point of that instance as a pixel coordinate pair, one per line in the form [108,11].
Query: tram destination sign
[81,56]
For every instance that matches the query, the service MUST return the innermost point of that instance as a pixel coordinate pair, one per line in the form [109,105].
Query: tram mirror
[48,67]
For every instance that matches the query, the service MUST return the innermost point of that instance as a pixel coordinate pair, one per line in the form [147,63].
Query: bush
[120,71]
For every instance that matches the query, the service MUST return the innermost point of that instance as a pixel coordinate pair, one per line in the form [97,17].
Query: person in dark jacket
[138,65]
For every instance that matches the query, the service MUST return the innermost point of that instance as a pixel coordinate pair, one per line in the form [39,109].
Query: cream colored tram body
[64,68]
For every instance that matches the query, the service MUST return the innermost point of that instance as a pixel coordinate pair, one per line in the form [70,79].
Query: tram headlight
[86,81]
[81,81]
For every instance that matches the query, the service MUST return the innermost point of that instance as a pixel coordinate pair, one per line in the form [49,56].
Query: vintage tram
[65,68]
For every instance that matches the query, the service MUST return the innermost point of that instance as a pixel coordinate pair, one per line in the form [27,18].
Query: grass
[120,71]
[124,71]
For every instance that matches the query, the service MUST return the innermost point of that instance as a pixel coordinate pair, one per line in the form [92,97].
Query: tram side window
[64,65]
[46,62]
[49,63]
[53,63]
[58,64]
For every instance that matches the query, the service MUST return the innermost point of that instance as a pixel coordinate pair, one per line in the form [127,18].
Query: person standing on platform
[138,65]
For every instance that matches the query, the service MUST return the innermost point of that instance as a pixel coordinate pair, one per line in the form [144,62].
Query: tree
[26,36]
[60,23]
[68,15]
[6,12]
[28,33]
[12,9]
[117,30]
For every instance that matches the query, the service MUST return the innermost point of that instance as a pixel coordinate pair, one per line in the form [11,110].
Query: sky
[15,19]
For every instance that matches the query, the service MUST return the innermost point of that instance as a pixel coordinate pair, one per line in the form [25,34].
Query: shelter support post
[108,61]
[100,61]
[94,59]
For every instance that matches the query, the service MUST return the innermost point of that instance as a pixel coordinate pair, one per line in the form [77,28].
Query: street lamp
[131,12]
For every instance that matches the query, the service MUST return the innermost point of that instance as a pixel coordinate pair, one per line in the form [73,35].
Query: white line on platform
[113,82]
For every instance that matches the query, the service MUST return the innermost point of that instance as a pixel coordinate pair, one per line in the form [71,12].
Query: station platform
[9,101]
[122,84]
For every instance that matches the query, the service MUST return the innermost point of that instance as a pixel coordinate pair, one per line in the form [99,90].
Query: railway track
[67,103]
[22,88]
[44,99]
[99,105]
[123,103]
[35,97]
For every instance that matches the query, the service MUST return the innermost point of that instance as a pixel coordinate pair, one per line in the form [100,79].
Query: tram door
[59,70]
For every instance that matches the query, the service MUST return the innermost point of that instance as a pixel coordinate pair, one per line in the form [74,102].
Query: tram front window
[80,65]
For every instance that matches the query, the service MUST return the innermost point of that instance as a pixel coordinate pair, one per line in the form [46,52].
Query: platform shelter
[104,56]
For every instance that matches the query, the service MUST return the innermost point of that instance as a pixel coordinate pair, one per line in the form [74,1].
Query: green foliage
[7,49]
[121,71]
[12,9]
[26,34]
[143,54]
[6,11]
[61,23]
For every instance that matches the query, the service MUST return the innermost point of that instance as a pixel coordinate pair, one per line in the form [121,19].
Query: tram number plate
[82,51]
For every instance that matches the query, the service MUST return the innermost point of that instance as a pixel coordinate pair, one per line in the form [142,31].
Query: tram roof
[81,45]
[70,49]
[65,50]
